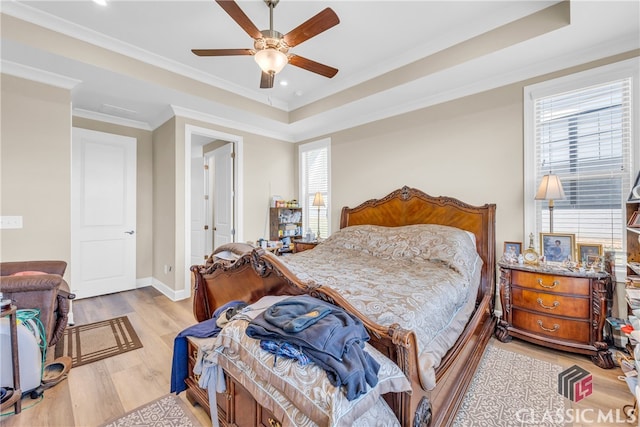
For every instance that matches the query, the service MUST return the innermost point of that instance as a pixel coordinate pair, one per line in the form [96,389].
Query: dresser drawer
[557,308]
[549,303]
[267,419]
[550,326]
[550,283]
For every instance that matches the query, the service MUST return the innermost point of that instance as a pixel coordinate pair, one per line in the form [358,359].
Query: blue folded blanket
[294,315]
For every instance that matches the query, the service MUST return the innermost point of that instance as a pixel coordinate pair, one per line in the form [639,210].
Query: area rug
[510,389]
[96,341]
[168,411]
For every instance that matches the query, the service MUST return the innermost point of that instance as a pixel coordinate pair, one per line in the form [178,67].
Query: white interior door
[223,231]
[198,205]
[103,213]
[209,186]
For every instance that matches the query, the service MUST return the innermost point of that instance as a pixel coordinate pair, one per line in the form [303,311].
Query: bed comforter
[423,277]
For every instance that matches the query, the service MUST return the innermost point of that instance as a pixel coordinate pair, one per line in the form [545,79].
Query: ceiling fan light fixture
[271,60]
[271,48]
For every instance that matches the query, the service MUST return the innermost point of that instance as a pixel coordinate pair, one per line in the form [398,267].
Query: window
[314,170]
[580,128]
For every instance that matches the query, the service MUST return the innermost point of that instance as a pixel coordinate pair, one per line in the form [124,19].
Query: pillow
[450,246]
[29,273]
[308,387]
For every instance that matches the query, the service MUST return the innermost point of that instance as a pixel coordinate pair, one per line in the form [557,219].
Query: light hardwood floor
[96,392]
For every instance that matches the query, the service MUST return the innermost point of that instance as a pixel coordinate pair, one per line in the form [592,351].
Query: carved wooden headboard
[408,206]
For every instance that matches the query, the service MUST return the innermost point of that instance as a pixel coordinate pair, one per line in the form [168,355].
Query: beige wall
[144,188]
[164,202]
[470,149]
[267,169]
[35,152]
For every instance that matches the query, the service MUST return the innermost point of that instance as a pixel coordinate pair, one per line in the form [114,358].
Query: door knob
[130,232]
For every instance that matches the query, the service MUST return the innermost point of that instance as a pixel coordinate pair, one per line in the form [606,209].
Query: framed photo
[585,251]
[634,221]
[513,249]
[558,247]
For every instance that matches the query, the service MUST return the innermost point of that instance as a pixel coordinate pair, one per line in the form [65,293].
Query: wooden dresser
[236,400]
[555,308]
[303,245]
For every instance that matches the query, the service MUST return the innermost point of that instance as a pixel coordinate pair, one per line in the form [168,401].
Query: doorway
[222,199]
[103,213]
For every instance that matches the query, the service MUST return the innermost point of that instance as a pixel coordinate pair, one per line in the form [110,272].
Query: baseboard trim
[172,294]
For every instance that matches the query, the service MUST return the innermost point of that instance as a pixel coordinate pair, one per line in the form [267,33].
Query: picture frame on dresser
[558,247]
[513,248]
[588,250]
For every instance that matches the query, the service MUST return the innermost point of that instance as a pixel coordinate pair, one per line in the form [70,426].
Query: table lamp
[550,189]
[319,202]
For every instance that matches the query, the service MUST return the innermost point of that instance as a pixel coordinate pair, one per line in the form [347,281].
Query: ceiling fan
[271,48]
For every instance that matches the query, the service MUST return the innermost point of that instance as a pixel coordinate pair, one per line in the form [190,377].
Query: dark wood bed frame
[256,274]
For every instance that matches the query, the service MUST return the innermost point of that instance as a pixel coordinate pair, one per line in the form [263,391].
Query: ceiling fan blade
[312,27]
[313,66]
[222,52]
[266,80]
[234,11]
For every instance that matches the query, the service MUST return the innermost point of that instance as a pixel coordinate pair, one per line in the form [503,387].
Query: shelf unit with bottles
[285,222]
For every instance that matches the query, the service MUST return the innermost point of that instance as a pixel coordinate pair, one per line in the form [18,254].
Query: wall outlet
[167,269]
[10,222]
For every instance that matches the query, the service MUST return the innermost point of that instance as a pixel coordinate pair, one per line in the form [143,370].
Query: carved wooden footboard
[256,274]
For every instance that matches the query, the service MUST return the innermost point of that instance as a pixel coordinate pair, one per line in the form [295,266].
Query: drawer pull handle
[228,395]
[555,304]
[274,423]
[553,285]
[196,377]
[555,327]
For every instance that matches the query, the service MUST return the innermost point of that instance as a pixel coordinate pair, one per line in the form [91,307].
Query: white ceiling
[374,40]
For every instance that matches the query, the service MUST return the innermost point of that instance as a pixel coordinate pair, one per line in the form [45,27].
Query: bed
[390,236]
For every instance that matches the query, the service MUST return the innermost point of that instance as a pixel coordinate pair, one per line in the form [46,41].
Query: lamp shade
[318,200]
[550,188]
[271,60]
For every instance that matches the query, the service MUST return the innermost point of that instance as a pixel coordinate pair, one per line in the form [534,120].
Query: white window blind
[314,177]
[584,137]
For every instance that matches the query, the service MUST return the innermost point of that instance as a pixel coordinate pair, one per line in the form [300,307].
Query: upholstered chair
[39,285]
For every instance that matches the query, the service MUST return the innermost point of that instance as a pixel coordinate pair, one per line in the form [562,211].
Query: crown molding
[101,117]
[231,123]
[45,20]
[371,108]
[38,75]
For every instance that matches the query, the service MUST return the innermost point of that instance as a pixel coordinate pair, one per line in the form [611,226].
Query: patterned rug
[96,341]
[507,388]
[168,411]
